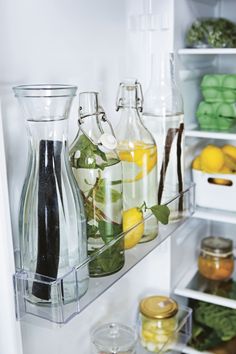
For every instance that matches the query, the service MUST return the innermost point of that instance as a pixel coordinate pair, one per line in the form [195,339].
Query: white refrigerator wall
[94,45]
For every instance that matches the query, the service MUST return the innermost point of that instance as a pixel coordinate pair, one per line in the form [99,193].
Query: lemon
[225,169]
[230,163]
[196,165]
[221,181]
[230,150]
[132,217]
[212,159]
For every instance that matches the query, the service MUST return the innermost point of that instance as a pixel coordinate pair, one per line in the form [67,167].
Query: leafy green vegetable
[212,325]
[212,32]
[219,318]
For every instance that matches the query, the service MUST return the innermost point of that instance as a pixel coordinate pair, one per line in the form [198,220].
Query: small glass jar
[216,261]
[157,322]
[114,338]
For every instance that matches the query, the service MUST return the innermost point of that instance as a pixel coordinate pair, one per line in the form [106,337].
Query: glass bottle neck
[130,116]
[129,99]
[163,96]
[162,69]
[130,102]
[92,117]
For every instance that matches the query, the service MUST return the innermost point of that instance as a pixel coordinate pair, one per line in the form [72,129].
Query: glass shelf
[182,334]
[195,286]
[215,215]
[62,306]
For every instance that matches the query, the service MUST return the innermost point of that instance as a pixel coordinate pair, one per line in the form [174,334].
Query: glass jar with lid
[114,338]
[157,322]
[216,260]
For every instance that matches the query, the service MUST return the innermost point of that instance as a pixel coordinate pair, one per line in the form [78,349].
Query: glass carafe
[51,218]
[138,153]
[163,116]
[97,169]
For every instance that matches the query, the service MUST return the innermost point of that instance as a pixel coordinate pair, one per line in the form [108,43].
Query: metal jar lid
[158,307]
[217,246]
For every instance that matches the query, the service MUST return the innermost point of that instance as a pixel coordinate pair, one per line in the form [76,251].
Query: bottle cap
[107,142]
[158,307]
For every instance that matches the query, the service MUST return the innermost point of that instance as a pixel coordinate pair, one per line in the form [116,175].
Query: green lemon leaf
[92,230]
[115,195]
[161,212]
[104,192]
[108,231]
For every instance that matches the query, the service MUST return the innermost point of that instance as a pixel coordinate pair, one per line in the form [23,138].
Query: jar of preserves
[157,322]
[216,260]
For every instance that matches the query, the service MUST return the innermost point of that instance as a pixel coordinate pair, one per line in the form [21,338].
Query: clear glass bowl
[114,338]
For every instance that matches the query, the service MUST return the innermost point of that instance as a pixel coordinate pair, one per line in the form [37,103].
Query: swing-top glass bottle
[97,169]
[138,153]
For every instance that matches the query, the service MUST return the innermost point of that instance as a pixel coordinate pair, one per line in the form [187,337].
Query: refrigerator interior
[193,64]
[95,45]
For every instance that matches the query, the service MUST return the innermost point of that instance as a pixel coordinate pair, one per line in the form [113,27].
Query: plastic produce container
[210,194]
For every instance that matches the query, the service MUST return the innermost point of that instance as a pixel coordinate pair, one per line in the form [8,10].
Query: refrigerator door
[10,336]
[94,45]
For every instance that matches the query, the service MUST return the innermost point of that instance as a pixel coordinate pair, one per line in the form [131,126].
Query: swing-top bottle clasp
[133,87]
[107,141]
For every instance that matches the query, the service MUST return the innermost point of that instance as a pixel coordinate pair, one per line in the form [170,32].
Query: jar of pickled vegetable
[157,322]
[216,260]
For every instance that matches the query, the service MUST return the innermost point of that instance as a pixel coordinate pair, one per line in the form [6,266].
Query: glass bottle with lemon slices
[138,153]
[98,171]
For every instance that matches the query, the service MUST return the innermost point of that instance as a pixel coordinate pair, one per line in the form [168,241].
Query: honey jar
[157,322]
[216,260]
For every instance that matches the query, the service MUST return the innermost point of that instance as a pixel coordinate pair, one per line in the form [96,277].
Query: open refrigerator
[94,45]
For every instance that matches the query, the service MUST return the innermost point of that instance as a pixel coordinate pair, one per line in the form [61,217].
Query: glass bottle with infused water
[163,116]
[97,169]
[138,153]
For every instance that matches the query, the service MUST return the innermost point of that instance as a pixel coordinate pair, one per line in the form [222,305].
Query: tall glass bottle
[138,153]
[52,218]
[97,169]
[163,116]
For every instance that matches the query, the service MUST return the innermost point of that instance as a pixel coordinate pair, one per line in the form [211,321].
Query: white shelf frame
[182,290]
[207,51]
[215,215]
[198,133]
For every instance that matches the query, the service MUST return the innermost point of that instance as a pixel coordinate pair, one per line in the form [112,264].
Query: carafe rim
[45,90]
